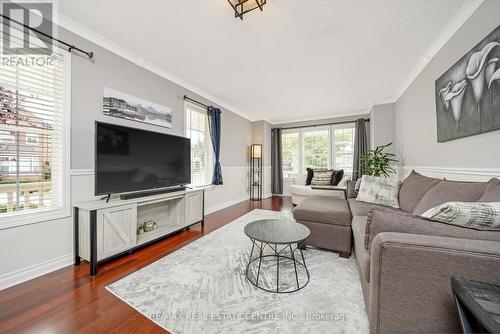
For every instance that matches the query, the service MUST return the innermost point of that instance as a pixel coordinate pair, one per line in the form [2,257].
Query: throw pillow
[337,176]
[379,190]
[467,214]
[351,193]
[310,175]
[357,184]
[492,192]
[322,177]
[413,188]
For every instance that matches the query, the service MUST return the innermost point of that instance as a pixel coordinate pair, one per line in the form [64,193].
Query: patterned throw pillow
[482,215]
[379,190]
[322,177]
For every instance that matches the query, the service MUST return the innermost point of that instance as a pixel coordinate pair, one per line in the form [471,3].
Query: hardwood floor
[70,301]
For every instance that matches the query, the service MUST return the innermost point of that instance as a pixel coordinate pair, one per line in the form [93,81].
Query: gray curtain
[360,148]
[276,162]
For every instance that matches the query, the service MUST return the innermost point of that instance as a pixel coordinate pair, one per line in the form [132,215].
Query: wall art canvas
[126,106]
[468,94]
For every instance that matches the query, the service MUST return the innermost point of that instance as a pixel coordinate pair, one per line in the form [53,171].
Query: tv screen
[129,159]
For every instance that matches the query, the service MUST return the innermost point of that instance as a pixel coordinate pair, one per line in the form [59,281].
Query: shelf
[148,236]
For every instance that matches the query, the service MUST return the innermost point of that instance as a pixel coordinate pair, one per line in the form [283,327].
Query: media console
[103,230]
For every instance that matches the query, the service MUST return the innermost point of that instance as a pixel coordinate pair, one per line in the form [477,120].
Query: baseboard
[34,271]
[225,205]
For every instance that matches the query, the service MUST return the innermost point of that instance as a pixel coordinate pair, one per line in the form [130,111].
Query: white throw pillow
[482,215]
[379,190]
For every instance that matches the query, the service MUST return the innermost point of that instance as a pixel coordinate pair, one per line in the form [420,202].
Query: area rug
[202,288]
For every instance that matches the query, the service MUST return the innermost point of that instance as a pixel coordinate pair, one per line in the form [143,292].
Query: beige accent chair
[300,191]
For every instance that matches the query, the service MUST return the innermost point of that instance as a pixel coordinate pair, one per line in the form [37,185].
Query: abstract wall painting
[468,94]
[126,106]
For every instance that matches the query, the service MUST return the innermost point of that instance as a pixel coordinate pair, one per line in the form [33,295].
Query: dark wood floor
[69,300]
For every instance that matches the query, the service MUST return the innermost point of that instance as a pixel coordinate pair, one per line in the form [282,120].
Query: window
[6,136]
[34,140]
[329,147]
[316,147]
[202,156]
[31,139]
[343,147]
[290,144]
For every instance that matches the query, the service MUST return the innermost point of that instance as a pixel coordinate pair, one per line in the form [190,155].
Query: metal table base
[278,254]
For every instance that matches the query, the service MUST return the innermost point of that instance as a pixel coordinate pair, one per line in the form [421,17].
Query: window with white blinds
[34,138]
[202,155]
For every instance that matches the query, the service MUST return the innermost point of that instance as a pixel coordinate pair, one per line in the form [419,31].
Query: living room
[250,166]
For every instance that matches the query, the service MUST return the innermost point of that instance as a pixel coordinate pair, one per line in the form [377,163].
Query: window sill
[33,217]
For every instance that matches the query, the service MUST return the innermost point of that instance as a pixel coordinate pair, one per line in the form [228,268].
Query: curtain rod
[194,101]
[316,125]
[69,46]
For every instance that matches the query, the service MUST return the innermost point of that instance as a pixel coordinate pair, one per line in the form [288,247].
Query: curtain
[215,129]
[360,148]
[276,162]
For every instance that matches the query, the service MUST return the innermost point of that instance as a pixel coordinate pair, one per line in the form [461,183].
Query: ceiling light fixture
[244,6]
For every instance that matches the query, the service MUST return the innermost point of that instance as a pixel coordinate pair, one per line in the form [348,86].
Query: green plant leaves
[376,162]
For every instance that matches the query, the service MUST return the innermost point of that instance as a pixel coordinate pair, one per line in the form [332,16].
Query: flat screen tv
[129,160]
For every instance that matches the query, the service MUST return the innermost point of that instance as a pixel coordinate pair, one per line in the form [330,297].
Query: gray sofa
[406,262]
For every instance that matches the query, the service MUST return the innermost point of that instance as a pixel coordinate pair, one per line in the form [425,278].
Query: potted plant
[376,162]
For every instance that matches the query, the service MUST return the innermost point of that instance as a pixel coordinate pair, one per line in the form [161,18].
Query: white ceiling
[299,59]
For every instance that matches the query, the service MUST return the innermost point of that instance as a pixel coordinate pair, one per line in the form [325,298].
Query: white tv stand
[104,230]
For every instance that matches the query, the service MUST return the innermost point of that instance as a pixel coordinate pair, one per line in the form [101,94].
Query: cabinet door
[116,230]
[194,207]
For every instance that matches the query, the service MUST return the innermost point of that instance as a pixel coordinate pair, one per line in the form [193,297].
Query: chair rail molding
[454,173]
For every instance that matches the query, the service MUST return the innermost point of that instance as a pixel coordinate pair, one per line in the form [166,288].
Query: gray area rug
[202,288]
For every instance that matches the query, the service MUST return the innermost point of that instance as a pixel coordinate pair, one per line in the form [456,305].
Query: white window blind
[34,137]
[202,156]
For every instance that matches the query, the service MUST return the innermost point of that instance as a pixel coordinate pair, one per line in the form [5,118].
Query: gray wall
[416,134]
[108,70]
[382,126]
[262,135]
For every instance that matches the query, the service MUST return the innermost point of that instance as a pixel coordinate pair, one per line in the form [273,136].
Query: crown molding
[119,50]
[317,118]
[458,20]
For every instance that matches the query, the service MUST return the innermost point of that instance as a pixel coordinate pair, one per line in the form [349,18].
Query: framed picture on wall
[118,104]
[468,94]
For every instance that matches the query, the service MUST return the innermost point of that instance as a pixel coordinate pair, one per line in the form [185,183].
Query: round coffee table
[279,236]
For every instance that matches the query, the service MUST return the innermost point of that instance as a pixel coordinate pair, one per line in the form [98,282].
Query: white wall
[33,250]
[416,132]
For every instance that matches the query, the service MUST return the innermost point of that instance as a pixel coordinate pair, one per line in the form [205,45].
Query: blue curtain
[214,126]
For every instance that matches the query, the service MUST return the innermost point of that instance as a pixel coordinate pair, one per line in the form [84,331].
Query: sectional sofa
[405,261]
